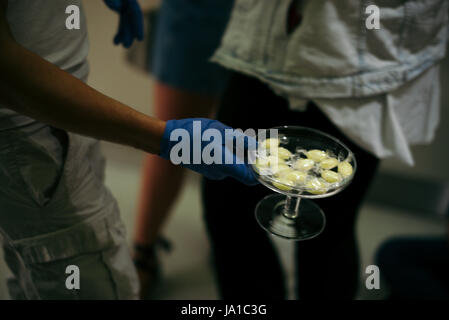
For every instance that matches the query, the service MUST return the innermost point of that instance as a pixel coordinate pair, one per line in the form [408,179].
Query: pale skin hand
[34,87]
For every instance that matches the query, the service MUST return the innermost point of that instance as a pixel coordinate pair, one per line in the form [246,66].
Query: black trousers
[246,263]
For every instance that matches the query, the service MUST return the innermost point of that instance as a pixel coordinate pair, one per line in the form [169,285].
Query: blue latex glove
[131,21]
[191,133]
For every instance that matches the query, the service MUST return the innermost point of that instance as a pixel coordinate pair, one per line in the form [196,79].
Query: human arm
[34,87]
[38,89]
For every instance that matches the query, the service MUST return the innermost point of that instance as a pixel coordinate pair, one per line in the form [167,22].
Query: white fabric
[388,124]
[40,26]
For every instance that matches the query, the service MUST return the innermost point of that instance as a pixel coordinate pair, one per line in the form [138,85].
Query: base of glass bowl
[309,223]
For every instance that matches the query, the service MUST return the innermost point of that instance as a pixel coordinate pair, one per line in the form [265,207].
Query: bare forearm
[33,87]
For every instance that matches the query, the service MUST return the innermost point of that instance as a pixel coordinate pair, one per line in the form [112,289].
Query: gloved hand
[131,21]
[183,144]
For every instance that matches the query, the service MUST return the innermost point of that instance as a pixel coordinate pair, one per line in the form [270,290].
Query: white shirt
[379,86]
[388,124]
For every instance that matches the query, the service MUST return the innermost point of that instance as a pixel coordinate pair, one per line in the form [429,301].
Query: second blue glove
[131,21]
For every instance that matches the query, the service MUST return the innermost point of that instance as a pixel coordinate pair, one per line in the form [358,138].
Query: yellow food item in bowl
[280,168]
[274,161]
[304,164]
[262,162]
[345,169]
[317,186]
[331,176]
[270,143]
[316,155]
[294,175]
[283,153]
[284,184]
[329,163]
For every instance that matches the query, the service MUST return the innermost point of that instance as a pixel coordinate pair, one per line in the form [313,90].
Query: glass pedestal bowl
[299,164]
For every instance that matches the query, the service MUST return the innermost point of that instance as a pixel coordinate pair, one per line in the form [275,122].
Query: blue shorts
[187,34]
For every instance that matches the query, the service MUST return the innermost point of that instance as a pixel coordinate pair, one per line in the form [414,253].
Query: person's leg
[161,180]
[57,212]
[246,263]
[187,85]
[328,266]
[101,269]
[415,268]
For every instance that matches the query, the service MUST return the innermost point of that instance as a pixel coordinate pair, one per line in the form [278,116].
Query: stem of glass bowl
[291,207]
